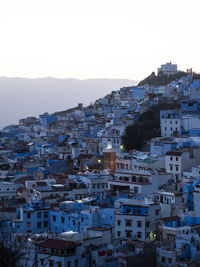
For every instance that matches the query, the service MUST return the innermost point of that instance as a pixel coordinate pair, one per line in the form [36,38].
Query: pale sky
[97,39]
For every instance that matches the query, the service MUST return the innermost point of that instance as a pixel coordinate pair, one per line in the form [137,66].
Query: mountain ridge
[22,97]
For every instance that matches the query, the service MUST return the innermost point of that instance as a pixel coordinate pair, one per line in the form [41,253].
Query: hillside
[147,127]
[22,97]
[157,80]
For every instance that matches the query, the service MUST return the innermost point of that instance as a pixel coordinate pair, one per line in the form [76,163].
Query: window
[163,259]
[39,224]
[128,234]
[118,222]
[148,224]
[69,264]
[138,211]
[171,158]
[28,215]
[76,263]
[128,210]
[171,167]
[45,223]
[177,168]
[135,189]
[46,215]
[54,218]
[169,260]
[118,233]
[176,158]
[139,224]
[82,219]
[139,234]
[93,186]
[41,261]
[63,219]
[28,224]
[128,222]
[59,264]
[39,215]
[157,212]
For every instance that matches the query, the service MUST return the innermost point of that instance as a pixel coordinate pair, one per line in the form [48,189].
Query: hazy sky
[95,39]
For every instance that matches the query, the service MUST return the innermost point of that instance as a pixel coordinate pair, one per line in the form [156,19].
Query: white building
[7,190]
[177,161]
[166,256]
[142,182]
[194,172]
[171,203]
[136,220]
[170,122]
[58,252]
[196,200]
[95,183]
[168,69]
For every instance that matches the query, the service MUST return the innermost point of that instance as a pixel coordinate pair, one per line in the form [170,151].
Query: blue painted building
[56,166]
[189,188]
[32,219]
[47,119]
[160,146]
[190,107]
[138,92]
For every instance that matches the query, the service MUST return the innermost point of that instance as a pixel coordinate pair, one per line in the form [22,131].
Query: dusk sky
[97,39]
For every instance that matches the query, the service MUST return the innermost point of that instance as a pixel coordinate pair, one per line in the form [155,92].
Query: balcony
[134,172]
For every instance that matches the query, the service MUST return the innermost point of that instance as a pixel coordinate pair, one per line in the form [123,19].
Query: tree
[14,249]
[147,127]
[161,79]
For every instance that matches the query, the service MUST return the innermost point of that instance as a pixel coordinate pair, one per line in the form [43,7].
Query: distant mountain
[22,97]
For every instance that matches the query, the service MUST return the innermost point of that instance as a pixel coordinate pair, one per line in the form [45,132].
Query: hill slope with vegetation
[161,79]
[147,127]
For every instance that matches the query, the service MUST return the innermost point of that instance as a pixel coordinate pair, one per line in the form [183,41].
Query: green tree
[147,127]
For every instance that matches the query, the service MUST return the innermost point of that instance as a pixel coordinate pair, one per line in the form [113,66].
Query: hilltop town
[75,191]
